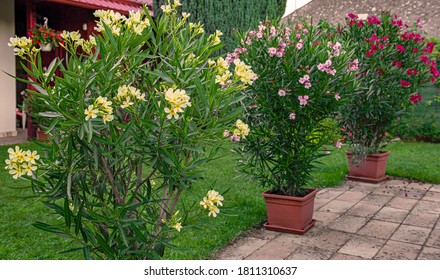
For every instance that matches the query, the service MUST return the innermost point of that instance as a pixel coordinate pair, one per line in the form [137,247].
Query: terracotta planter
[372,170]
[288,213]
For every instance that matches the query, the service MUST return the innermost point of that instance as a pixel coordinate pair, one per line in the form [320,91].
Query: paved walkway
[397,219]
[19,139]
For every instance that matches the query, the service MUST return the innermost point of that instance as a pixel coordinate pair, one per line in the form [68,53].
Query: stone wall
[428,11]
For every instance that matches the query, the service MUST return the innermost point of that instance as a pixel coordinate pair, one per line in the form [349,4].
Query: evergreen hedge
[228,15]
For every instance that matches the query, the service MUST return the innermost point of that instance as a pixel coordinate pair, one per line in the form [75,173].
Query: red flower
[400,48]
[429,47]
[415,50]
[373,20]
[352,16]
[425,59]
[415,98]
[404,83]
[411,72]
[398,64]
[369,53]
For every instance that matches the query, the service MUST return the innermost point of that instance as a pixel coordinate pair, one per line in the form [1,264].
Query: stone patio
[395,220]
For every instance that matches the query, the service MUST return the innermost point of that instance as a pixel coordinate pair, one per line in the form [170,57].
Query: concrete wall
[7,64]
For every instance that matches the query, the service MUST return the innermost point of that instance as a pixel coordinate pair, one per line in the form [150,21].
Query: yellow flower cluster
[211,201]
[21,162]
[74,38]
[243,72]
[136,23]
[101,107]
[22,46]
[128,95]
[111,19]
[223,77]
[241,129]
[215,37]
[197,27]
[178,99]
[174,222]
[167,9]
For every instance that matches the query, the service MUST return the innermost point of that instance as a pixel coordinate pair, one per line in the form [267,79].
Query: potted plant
[393,64]
[303,76]
[45,37]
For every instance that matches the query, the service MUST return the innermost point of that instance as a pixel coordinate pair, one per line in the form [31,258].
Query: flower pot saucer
[367,180]
[290,230]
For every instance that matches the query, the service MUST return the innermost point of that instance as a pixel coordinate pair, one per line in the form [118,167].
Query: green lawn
[244,206]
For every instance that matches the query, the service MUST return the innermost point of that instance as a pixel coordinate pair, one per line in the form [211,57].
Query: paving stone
[390,214]
[363,188]
[379,229]
[377,199]
[241,249]
[337,206]
[434,239]
[402,203]
[325,218]
[414,193]
[299,239]
[348,223]
[395,250]
[364,210]
[420,219]
[429,253]
[263,233]
[389,190]
[353,196]
[432,196]
[309,253]
[396,183]
[362,246]
[411,234]
[339,256]
[319,202]
[427,207]
[273,250]
[330,193]
[330,240]
[419,186]
[435,188]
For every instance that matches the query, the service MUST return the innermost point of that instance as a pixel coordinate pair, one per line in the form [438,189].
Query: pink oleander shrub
[305,73]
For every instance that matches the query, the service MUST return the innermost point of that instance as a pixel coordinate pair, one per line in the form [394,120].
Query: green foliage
[422,122]
[134,115]
[303,72]
[229,15]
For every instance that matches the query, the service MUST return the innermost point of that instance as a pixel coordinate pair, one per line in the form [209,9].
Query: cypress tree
[229,15]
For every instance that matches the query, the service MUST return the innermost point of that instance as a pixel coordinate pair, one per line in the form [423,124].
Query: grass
[244,207]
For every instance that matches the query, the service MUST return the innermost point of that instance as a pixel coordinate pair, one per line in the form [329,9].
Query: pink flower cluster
[303,100]
[230,57]
[354,65]
[305,80]
[282,91]
[279,52]
[336,47]
[327,67]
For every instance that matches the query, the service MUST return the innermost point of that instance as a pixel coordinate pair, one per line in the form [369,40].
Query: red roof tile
[118,5]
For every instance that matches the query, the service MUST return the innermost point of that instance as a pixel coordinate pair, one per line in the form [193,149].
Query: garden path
[397,219]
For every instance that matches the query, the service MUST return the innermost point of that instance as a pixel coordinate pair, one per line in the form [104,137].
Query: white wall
[7,64]
[292,5]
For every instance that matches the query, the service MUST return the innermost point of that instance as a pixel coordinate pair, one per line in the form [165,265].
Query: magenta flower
[400,48]
[373,20]
[425,59]
[415,98]
[411,72]
[404,83]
